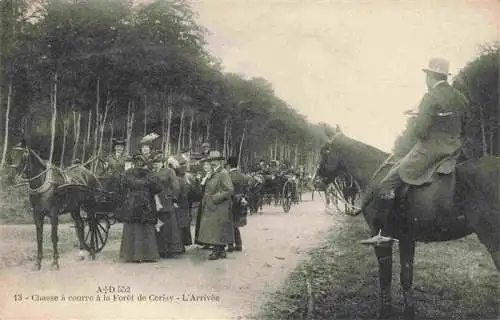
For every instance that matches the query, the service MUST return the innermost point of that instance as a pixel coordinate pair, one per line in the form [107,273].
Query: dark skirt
[186,236]
[170,237]
[138,243]
[197,228]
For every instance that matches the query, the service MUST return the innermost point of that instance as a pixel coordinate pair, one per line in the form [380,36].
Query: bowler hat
[438,65]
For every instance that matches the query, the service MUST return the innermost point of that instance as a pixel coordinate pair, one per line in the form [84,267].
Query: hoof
[54,266]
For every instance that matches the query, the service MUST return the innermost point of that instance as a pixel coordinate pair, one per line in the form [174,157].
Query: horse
[453,205]
[52,192]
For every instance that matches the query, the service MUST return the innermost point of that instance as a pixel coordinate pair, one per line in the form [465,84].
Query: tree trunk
[483,131]
[111,136]
[224,147]
[241,143]
[145,115]
[86,143]
[130,124]
[97,128]
[181,125]
[191,121]
[208,125]
[54,117]
[77,116]
[163,128]
[109,105]
[63,149]
[7,117]
[169,129]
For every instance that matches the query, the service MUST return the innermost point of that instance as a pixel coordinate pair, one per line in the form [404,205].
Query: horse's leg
[384,257]
[38,219]
[407,256]
[54,222]
[77,218]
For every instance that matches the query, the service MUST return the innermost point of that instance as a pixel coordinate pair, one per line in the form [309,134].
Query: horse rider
[115,162]
[438,130]
[239,202]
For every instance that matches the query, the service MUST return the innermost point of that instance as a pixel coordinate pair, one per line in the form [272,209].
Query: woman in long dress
[139,215]
[169,234]
[179,164]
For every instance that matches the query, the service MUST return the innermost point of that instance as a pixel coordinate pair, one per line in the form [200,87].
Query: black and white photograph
[249,159]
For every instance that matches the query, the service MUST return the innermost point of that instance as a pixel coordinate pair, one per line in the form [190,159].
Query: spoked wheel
[95,231]
[287,196]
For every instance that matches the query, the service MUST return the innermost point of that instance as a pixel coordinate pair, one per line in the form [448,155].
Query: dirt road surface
[187,287]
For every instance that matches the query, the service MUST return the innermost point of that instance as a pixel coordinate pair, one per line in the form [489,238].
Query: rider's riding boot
[379,239]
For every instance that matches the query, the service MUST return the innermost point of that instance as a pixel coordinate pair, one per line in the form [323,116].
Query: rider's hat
[439,66]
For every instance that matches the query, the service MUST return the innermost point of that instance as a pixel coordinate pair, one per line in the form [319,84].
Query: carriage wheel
[96,230]
[287,196]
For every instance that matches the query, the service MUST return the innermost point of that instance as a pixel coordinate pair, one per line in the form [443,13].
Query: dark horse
[52,192]
[453,206]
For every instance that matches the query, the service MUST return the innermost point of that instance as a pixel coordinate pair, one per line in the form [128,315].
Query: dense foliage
[114,68]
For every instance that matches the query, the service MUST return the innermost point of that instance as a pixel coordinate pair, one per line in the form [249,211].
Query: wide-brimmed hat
[213,156]
[439,66]
[149,138]
[205,145]
[117,142]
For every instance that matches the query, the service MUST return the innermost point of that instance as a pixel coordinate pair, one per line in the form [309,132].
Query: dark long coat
[183,211]
[216,222]
[169,235]
[240,184]
[139,216]
[438,128]
[115,165]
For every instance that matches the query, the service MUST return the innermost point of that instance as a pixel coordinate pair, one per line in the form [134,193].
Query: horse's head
[19,157]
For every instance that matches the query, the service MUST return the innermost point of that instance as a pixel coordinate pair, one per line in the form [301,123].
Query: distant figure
[239,209]
[205,149]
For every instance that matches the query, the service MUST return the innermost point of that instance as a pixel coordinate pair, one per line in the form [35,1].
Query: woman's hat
[176,161]
[148,139]
[213,156]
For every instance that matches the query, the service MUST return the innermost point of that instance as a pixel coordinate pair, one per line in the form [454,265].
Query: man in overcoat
[216,222]
[438,129]
[239,209]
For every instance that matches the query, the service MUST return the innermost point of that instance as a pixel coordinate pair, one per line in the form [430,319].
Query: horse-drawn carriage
[280,188]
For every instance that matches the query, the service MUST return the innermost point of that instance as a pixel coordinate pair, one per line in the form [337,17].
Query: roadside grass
[452,280]
[19,243]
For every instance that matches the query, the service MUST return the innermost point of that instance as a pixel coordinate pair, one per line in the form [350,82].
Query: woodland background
[74,74]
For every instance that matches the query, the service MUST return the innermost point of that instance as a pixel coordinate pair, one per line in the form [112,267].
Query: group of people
[158,195]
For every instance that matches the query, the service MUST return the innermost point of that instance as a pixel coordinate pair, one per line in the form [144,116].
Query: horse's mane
[359,159]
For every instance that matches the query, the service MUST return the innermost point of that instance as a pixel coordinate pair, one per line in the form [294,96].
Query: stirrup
[379,240]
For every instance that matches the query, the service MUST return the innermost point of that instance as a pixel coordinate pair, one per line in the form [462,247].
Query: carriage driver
[438,130]
[115,163]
